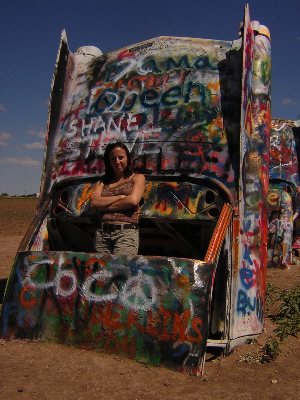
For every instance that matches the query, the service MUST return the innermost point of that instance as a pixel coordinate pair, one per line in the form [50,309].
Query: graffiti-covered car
[283,197]
[195,114]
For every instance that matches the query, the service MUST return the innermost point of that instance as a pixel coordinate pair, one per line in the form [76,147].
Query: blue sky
[29,37]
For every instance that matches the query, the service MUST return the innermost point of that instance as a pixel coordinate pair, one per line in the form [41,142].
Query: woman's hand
[133,199]
[119,202]
[102,203]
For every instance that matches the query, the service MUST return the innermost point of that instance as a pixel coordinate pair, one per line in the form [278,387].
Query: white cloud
[5,137]
[2,108]
[34,145]
[45,103]
[24,161]
[288,102]
[36,132]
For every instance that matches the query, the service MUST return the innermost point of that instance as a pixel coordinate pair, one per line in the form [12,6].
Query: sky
[29,37]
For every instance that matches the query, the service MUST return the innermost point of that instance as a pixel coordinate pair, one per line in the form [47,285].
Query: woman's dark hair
[109,173]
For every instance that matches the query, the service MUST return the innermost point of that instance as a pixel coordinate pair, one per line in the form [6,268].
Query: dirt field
[34,370]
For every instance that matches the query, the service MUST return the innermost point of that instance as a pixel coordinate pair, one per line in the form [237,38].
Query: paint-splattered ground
[34,370]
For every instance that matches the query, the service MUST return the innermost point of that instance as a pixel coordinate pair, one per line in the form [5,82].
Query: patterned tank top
[130,215]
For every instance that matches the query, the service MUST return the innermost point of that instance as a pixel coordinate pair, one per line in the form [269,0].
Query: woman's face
[118,160]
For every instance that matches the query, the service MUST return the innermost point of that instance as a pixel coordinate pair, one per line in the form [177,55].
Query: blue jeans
[117,242]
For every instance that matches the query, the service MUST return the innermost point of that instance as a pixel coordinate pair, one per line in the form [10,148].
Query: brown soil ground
[35,370]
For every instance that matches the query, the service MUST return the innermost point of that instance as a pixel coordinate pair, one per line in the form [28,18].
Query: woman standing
[117,197]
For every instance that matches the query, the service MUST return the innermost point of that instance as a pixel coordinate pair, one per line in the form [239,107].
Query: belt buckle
[106,228]
[114,227]
[111,227]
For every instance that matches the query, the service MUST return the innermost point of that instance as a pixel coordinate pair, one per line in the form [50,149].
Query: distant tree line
[4,194]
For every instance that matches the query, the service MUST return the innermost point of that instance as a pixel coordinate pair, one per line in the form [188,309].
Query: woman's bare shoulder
[138,178]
